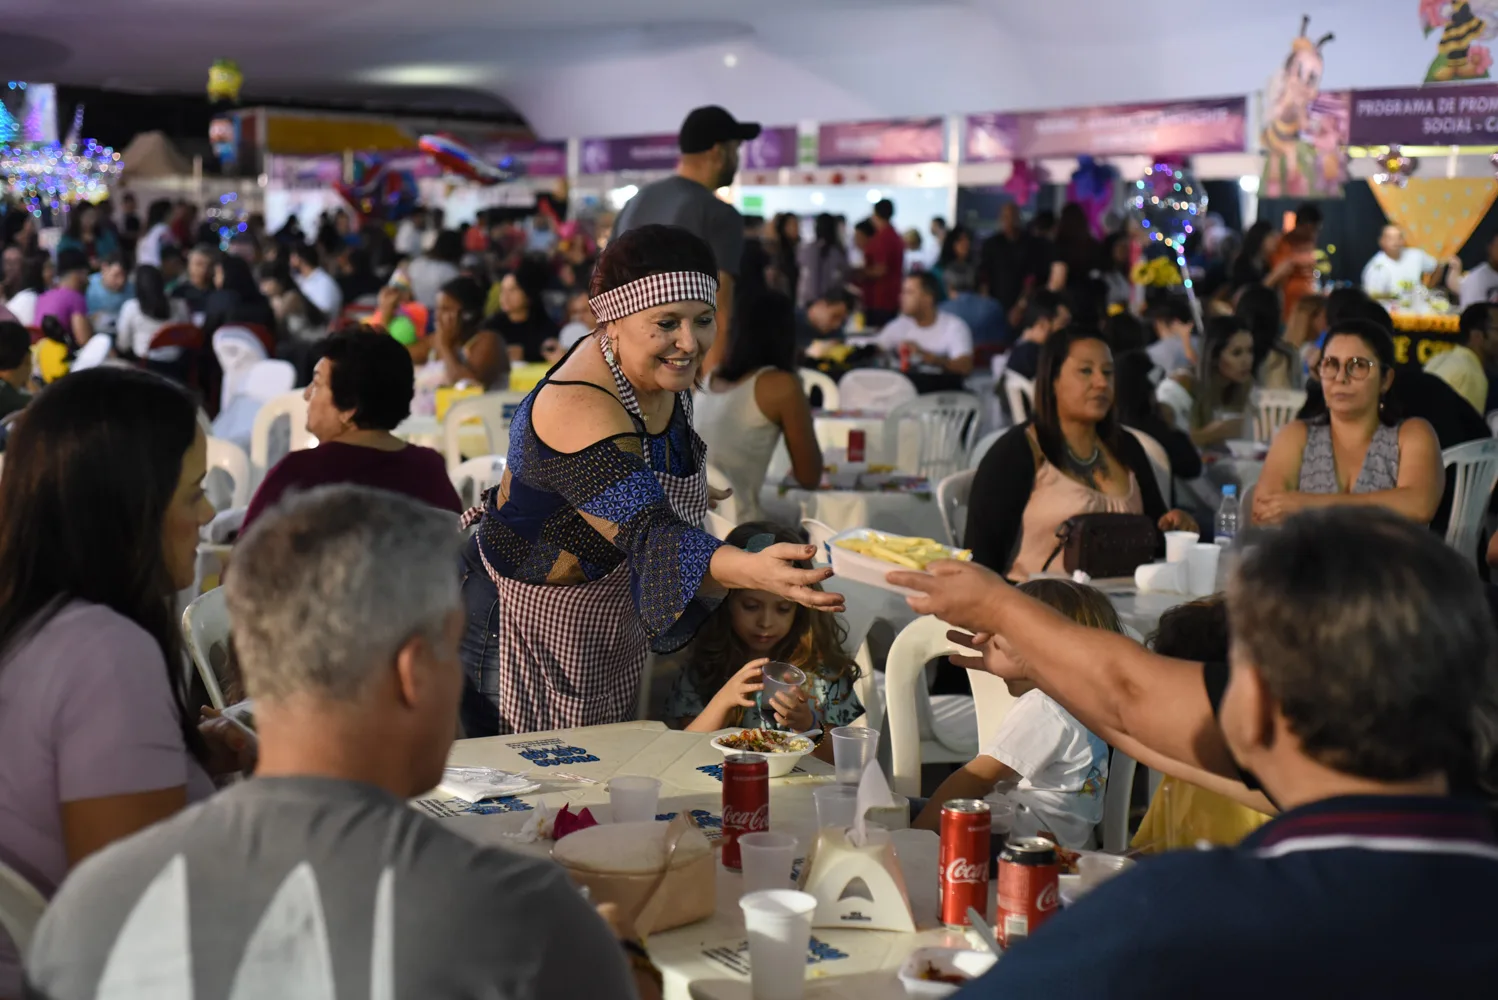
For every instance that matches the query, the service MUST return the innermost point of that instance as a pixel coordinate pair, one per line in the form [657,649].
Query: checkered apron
[573,656]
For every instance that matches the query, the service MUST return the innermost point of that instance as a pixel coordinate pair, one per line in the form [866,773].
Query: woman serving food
[588,554]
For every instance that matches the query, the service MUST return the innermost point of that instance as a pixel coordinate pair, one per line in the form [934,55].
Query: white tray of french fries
[866,556]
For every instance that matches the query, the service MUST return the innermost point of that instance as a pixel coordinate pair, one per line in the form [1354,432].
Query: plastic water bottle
[1227,516]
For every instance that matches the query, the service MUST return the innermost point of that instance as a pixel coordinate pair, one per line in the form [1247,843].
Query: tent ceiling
[575,67]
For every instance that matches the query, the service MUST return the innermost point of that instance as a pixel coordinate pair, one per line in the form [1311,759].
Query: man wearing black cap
[709,141]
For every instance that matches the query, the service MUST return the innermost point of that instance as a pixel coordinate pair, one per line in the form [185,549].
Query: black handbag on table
[1105,545]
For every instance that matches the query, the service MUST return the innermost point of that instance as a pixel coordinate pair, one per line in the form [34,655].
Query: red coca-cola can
[858,444]
[907,353]
[1029,887]
[966,826]
[746,802]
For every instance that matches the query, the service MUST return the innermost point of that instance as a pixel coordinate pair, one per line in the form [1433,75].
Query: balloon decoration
[1170,204]
[1025,181]
[56,175]
[1394,167]
[1092,188]
[379,192]
[224,80]
[460,160]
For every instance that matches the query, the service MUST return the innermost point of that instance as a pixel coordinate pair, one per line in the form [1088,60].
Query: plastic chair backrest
[726,509]
[1020,392]
[233,462]
[21,909]
[874,389]
[1493,422]
[918,643]
[290,406]
[818,534]
[237,350]
[1273,409]
[1117,798]
[476,475]
[1159,461]
[183,335]
[1476,464]
[94,353]
[717,525]
[951,496]
[205,628]
[813,379]
[493,409]
[268,379]
[985,442]
[947,421]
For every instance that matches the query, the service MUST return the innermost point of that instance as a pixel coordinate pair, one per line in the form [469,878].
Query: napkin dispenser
[858,888]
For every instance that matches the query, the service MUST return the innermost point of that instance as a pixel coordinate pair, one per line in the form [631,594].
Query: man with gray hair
[315,878]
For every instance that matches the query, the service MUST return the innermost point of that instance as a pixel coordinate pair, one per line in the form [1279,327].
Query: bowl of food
[939,972]
[782,750]
[866,556]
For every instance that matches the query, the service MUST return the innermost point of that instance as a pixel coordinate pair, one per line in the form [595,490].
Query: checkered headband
[655,290]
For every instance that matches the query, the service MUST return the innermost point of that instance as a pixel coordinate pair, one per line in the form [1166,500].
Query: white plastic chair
[238,351]
[292,407]
[1493,422]
[21,908]
[476,475]
[94,353]
[1273,409]
[264,381]
[813,379]
[947,421]
[493,410]
[718,526]
[985,442]
[726,509]
[1159,461]
[1113,834]
[1476,464]
[230,459]
[922,729]
[874,389]
[205,627]
[951,496]
[1020,392]
[818,534]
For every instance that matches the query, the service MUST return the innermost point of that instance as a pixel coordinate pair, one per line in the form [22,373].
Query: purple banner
[304,171]
[775,148]
[857,144]
[535,159]
[637,152]
[1426,116]
[1211,126]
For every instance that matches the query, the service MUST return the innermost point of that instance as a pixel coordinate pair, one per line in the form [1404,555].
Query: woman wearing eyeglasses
[1358,451]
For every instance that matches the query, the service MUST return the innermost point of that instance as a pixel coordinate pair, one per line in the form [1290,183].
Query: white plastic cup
[836,805]
[852,749]
[632,799]
[1095,869]
[778,922]
[778,677]
[768,858]
[1178,545]
[1201,569]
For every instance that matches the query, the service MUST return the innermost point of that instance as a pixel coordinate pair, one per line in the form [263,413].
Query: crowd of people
[373,616]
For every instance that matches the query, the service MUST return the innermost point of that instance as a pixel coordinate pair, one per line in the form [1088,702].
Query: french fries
[911,553]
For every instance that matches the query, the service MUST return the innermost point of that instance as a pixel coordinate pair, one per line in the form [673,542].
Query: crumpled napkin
[474,784]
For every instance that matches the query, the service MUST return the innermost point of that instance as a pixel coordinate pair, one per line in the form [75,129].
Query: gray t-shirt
[677,201]
[310,888]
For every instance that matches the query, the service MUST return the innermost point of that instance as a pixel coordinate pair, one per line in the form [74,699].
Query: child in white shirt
[1061,768]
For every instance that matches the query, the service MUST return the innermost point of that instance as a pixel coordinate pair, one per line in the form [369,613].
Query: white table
[707,960]
[833,428]
[427,431]
[913,514]
[1141,611]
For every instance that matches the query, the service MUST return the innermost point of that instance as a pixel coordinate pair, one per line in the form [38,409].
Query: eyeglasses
[1357,369]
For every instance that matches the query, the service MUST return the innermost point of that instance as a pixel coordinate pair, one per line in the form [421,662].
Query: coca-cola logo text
[1049,898]
[963,870]
[743,819]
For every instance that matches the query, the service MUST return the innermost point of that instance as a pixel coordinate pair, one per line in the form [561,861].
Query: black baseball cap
[706,127]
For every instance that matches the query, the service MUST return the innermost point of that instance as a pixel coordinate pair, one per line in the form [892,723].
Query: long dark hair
[955,235]
[826,233]
[1259,309]
[1253,242]
[1134,388]
[150,292]
[1212,393]
[90,470]
[768,341]
[1047,420]
[34,273]
[239,279]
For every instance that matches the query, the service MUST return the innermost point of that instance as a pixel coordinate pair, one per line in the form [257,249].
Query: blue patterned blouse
[563,519]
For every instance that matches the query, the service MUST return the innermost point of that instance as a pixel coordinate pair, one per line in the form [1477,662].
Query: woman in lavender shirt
[102,498]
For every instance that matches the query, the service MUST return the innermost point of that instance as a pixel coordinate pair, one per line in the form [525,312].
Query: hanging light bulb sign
[57,175]
[1170,203]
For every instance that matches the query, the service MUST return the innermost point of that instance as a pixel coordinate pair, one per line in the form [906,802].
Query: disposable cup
[632,799]
[1201,569]
[778,923]
[1178,545]
[1095,869]
[852,749]
[778,677]
[767,858]
[895,817]
[836,805]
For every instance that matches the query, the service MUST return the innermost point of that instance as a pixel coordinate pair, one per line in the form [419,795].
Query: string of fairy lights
[54,176]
